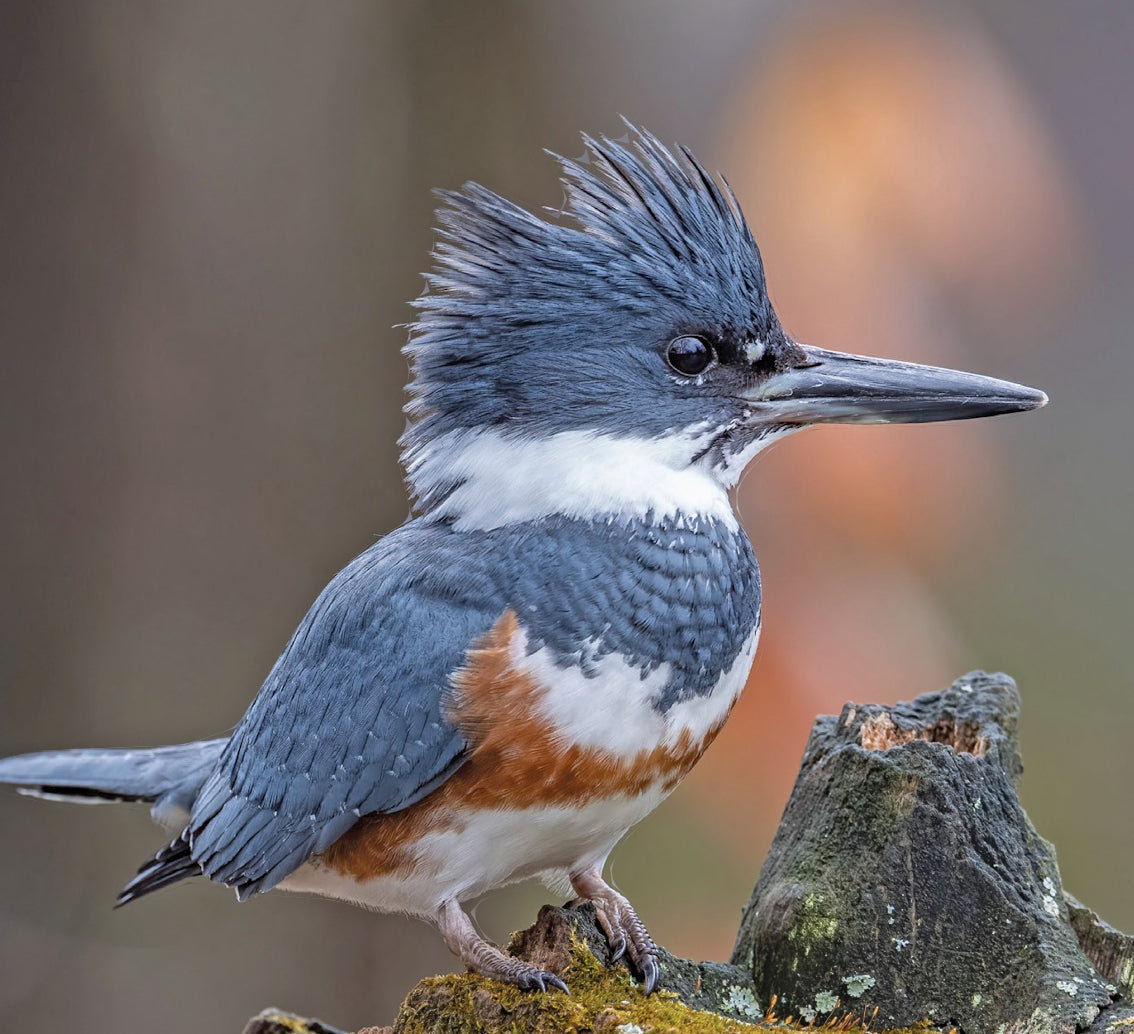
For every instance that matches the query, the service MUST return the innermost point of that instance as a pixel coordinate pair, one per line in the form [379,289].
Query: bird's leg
[625,932]
[485,958]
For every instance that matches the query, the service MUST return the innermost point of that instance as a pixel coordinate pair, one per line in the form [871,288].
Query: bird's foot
[485,958]
[625,932]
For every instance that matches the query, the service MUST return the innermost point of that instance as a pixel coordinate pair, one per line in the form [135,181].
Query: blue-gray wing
[350,721]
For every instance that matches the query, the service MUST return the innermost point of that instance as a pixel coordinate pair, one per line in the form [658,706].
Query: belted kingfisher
[501,687]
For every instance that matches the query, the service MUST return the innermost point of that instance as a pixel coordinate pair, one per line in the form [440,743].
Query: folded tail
[169,778]
[171,864]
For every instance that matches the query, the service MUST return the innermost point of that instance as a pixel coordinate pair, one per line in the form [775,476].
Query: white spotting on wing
[504,480]
[486,849]
[616,710]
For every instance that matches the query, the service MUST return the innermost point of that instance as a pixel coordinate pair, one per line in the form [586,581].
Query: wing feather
[350,721]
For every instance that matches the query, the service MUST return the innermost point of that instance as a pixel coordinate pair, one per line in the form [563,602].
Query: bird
[505,684]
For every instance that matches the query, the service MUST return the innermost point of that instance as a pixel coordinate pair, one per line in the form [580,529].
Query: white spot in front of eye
[754,350]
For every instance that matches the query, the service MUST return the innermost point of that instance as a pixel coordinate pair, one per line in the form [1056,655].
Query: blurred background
[213,215]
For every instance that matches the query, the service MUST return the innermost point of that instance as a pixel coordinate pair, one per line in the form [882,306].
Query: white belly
[491,848]
[614,716]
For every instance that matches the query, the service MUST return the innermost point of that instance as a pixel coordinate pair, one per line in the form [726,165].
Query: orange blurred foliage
[903,190]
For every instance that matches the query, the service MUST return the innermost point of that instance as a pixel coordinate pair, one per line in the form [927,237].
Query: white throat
[501,480]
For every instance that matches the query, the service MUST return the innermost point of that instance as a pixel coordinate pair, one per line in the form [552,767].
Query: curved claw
[528,978]
[554,982]
[651,973]
[487,959]
[625,932]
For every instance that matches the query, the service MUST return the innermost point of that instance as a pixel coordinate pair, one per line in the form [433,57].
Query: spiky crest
[647,232]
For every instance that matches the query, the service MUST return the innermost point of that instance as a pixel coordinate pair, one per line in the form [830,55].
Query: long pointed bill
[833,387]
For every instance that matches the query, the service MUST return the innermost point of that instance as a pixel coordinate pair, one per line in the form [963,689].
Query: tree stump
[905,887]
[906,876]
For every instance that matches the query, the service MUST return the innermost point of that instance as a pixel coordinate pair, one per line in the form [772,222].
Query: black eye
[690,355]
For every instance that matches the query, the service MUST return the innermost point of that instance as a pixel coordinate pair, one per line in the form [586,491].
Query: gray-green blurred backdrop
[212,215]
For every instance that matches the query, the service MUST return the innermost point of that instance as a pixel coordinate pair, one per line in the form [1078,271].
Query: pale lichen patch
[825,1001]
[742,1000]
[859,984]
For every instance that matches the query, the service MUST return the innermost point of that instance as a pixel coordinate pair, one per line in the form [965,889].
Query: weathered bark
[905,884]
[905,875]
[1111,952]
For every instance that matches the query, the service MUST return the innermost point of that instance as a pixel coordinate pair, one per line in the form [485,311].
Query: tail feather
[169,778]
[171,864]
[76,795]
[126,775]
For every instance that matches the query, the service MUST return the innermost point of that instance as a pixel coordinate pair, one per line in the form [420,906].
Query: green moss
[601,1001]
[813,925]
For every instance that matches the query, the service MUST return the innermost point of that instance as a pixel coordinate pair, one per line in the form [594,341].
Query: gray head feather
[531,327]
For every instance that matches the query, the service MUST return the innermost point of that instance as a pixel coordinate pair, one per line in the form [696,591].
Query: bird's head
[625,358]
